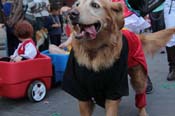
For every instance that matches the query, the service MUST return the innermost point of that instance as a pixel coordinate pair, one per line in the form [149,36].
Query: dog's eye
[76,4]
[95,5]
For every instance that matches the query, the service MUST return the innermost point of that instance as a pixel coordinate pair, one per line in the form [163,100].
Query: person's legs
[157,23]
[86,108]
[12,41]
[6,59]
[171,62]
[170,47]
[111,107]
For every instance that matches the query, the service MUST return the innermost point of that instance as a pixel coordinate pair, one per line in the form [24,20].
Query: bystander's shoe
[171,75]
[171,62]
[162,52]
[149,88]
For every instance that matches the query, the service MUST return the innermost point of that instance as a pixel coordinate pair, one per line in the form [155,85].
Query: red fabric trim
[140,100]
[136,55]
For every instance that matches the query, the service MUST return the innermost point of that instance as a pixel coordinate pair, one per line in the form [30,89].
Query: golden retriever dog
[41,35]
[103,54]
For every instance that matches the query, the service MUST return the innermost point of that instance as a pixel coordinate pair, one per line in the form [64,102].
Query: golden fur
[101,52]
[105,49]
[41,35]
[152,42]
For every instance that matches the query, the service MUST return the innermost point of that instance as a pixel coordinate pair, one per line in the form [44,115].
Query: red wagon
[30,78]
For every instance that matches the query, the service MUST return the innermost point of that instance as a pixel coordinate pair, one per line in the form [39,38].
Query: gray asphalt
[58,103]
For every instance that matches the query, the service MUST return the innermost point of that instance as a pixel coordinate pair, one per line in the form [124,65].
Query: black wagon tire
[36,91]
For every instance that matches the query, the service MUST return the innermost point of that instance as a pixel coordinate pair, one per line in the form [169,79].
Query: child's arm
[66,43]
[56,50]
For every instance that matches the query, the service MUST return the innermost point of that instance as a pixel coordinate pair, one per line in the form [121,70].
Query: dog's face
[96,28]
[91,19]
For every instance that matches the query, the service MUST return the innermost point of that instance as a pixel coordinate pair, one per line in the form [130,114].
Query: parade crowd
[48,19]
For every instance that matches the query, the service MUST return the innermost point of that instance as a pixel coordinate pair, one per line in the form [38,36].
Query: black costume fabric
[85,84]
[144,6]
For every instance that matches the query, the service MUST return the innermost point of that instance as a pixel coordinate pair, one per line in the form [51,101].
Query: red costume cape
[136,55]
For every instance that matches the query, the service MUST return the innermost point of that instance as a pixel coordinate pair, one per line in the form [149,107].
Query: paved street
[58,103]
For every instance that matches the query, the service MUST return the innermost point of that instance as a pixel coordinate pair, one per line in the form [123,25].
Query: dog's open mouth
[87,31]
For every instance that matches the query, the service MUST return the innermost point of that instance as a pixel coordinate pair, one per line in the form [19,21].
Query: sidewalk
[58,103]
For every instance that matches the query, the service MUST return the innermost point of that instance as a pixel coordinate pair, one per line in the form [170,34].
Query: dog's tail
[152,42]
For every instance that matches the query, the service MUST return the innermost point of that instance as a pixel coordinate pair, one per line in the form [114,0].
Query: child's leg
[6,59]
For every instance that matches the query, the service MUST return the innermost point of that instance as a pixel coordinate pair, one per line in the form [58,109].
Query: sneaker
[171,75]
[162,52]
[149,88]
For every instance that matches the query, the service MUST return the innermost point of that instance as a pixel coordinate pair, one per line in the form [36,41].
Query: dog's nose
[74,15]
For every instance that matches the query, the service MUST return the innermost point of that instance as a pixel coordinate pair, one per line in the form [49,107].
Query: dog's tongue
[91,31]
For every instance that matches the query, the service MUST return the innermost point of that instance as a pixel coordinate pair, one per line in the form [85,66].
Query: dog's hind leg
[86,108]
[138,82]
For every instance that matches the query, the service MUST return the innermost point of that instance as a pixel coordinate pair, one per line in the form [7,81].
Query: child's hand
[11,57]
[17,59]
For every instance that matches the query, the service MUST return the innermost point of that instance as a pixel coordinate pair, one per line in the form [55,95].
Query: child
[54,25]
[26,49]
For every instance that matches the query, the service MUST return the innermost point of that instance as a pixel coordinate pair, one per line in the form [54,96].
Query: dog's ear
[118,9]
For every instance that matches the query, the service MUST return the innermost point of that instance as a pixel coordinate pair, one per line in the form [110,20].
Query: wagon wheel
[36,91]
